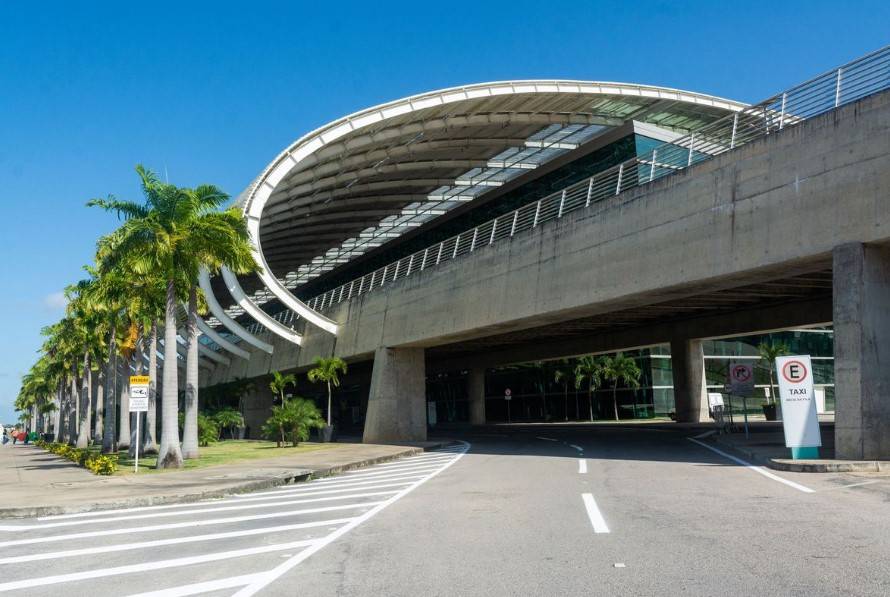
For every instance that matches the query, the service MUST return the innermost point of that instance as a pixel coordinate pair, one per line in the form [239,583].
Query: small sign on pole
[508,396]
[741,383]
[799,417]
[138,404]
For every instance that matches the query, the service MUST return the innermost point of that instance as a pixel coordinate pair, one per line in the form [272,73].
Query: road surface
[539,511]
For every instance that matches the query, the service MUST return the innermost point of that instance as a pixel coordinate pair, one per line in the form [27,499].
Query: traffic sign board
[799,414]
[741,378]
[138,393]
[508,394]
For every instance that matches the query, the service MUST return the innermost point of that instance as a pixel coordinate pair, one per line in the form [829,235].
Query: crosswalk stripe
[151,544]
[187,524]
[147,566]
[203,587]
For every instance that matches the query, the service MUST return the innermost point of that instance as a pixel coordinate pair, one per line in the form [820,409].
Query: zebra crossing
[241,542]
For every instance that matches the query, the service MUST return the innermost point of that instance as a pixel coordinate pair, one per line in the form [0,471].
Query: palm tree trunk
[138,364]
[108,443]
[190,427]
[57,416]
[615,398]
[169,454]
[150,444]
[590,399]
[329,404]
[123,441]
[83,433]
[565,405]
[73,398]
[100,405]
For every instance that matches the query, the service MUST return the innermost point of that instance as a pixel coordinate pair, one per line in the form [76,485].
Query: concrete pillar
[862,351]
[397,402]
[476,394]
[688,370]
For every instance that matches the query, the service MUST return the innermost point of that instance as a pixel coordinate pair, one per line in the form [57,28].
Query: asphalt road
[541,511]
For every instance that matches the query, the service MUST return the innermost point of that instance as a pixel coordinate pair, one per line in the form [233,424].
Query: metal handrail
[853,81]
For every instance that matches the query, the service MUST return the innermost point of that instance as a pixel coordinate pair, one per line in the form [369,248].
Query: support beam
[254,311]
[476,393]
[397,402]
[688,368]
[862,351]
[220,313]
[222,342]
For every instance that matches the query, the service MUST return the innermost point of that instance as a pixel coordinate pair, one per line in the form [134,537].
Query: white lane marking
[279,570]
[852,485]
[582,466]
[579,448]
[756,469]
[546,439]
[415,463]
[203,587]
[150,544]
[189,524]
[376,473]
[240,506]
[146,566]
[354,486]
[594,514]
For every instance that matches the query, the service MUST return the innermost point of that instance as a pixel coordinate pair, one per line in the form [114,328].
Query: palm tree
[620,368]
[588,369]
[280,382]
[327,370]
[175,232]
[769,352]
[562,376]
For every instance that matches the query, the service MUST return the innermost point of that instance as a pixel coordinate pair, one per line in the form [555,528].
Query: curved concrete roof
[360,181]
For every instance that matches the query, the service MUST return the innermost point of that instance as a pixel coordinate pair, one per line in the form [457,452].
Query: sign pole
[745,409]
[138,416]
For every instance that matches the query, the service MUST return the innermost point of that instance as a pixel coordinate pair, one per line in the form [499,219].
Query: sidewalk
[766,446]
[34,482]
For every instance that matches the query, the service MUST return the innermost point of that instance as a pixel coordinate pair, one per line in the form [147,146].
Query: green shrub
[293,421]
[228,418]
[208,431]
[101,465]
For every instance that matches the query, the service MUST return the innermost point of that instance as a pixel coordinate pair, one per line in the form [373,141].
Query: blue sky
[211,92]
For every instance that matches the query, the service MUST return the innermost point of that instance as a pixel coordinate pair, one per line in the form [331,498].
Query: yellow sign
[138,380]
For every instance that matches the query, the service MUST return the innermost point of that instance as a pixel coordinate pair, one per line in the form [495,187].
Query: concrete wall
[775,207]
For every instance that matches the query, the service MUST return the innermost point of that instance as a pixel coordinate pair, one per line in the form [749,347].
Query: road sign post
[138,405]
[741,383]
[800,420]
[508,396]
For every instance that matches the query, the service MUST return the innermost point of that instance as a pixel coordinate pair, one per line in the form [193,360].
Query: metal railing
[851,82]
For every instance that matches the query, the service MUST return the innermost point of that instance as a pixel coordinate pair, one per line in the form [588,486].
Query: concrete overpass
[788,230]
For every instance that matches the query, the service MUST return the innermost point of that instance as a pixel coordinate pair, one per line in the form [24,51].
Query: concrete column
[476,394]
[862,351]
[397,402]
[688,370]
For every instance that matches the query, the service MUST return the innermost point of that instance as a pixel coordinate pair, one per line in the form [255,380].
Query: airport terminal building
[460,243]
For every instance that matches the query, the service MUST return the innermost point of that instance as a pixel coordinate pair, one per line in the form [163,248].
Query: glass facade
[540,393]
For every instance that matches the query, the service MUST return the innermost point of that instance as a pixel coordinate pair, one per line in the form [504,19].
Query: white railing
[851,82]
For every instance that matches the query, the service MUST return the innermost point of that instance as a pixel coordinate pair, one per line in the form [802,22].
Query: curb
[297,476]
[814,466]
[809,466]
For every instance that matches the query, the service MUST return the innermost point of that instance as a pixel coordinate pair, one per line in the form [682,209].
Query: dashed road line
[582,466]
[594,514]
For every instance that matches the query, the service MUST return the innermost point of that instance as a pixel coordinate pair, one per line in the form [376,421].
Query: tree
[293,421]
[562,375]
[619,369]
[588,369]
[769,352]
[327,370]
[175,232]
[280,382]
[228,418]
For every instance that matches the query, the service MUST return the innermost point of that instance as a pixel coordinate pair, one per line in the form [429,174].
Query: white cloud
[55,301]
